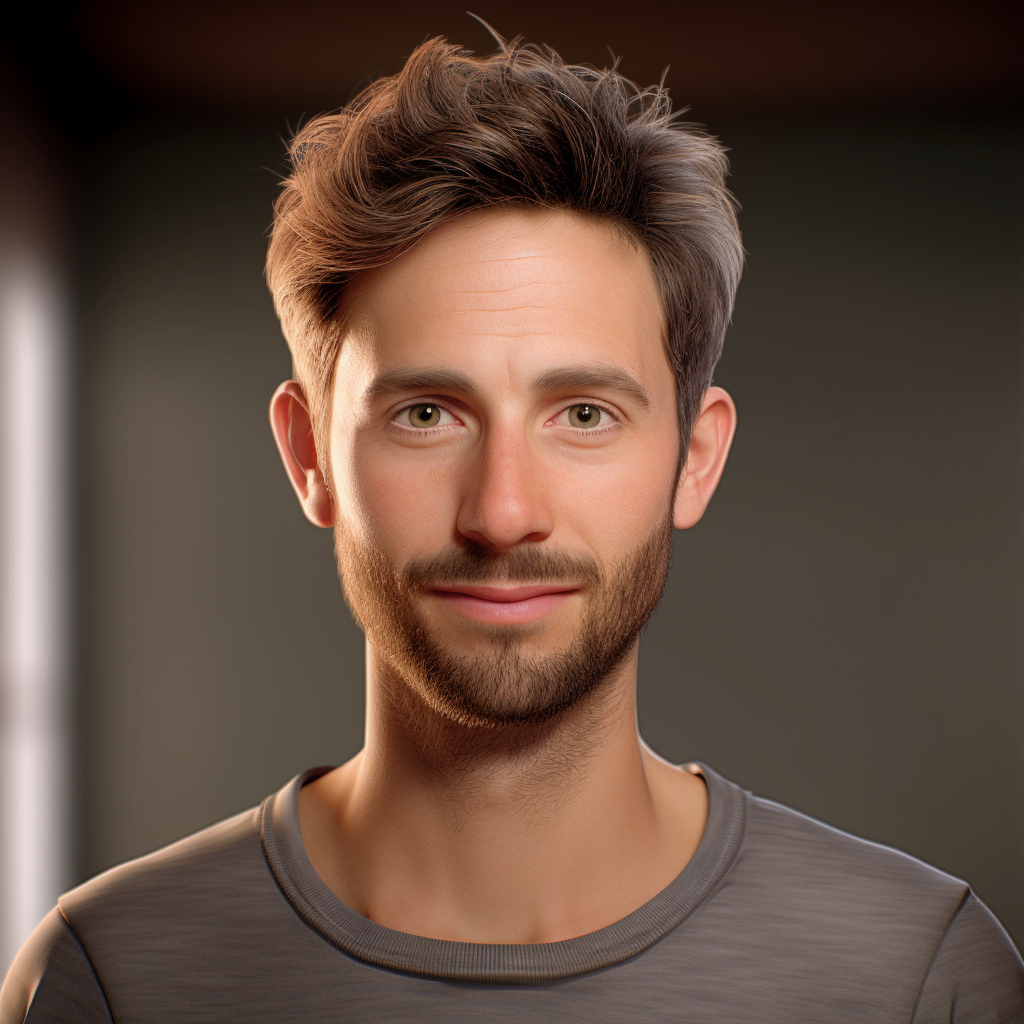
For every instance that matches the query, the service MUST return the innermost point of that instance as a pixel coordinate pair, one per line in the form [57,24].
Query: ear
[709,448]
[293,432]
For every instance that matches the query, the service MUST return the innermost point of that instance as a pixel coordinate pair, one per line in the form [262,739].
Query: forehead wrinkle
[473,277]
[496,291]
[510,259]
[513,335]
[524,271]
[498,323]
[515,290]
[505,309]
[542,296]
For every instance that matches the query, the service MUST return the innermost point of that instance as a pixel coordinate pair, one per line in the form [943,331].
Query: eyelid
[597,405]
[405,407]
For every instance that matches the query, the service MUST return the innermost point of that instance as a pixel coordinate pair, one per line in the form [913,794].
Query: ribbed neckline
[321,909]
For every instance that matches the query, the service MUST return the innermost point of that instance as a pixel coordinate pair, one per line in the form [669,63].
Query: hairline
[341,323]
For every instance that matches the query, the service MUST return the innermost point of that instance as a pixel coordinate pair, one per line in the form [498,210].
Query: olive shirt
[777,918]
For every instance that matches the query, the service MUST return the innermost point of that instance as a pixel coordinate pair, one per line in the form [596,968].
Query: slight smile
[504,605]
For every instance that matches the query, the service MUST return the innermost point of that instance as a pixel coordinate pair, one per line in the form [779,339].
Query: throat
[525,770]
[521,838]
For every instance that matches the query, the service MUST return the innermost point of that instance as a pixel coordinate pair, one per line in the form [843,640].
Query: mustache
[518,565]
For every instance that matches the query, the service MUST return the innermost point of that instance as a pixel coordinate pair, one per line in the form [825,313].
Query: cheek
[612,505]
[401,502]
[406,503]
[619,506]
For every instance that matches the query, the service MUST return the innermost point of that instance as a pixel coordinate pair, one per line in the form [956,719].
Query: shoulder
[120,940]
[796,861]
[196,878]
[804,855]
[52,979]
[975,969]
[871,922]
[187,895]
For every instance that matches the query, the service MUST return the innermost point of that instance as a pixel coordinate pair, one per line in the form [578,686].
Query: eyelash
[570,405]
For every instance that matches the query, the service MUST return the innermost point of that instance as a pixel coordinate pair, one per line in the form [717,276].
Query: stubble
[501,685]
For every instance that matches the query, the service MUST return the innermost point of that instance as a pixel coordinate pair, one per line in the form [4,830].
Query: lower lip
[506,613]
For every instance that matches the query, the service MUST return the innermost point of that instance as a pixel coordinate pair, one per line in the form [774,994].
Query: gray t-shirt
[777,918]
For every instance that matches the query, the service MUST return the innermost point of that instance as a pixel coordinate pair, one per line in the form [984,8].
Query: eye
[585,416]
[424,415]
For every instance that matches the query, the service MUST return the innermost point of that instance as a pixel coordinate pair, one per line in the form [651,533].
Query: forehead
[510,290]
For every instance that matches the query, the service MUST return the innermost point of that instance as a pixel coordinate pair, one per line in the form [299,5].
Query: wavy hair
[453,132]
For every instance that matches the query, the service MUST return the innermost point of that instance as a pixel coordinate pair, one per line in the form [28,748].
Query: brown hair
[453,132]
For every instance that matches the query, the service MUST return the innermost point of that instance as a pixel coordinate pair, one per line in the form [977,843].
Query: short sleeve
[52,980]
[976,975]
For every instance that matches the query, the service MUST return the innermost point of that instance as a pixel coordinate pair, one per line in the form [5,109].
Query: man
[505,285]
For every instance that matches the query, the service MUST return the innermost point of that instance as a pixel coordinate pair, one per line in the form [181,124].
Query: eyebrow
[563,378]
[583,378]
[392,382]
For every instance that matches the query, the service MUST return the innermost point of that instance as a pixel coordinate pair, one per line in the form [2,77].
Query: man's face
[504,445]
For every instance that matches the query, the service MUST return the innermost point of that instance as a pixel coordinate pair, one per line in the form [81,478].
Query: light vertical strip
[34,837]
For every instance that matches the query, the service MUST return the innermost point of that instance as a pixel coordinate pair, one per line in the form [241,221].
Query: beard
[500,684]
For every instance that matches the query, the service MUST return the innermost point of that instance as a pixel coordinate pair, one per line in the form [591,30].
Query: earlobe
[293,432]
[710,441]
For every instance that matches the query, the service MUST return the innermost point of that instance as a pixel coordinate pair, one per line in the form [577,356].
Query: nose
[503,501]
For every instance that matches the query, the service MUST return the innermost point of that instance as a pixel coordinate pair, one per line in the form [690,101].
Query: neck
[460,765]
[513,834]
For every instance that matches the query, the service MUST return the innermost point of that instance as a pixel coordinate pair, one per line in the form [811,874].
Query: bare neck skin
[532,836]
[503,480]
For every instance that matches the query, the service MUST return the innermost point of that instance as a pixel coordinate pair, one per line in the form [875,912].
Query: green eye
[584,415]
[424,415]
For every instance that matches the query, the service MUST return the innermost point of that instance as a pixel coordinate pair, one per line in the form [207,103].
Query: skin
[460,829]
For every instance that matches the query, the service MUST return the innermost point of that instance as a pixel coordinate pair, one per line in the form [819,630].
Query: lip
[506,594]
[505,605]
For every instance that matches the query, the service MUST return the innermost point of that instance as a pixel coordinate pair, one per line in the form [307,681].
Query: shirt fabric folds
[776,918]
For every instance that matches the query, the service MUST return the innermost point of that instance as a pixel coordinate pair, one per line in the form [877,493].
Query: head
[505,284]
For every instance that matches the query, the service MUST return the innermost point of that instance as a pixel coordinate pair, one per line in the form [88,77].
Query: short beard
[500,686]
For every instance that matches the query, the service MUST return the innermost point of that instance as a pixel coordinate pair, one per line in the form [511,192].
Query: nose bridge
[504,502]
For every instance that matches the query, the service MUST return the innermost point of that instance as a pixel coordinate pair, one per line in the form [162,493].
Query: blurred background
[842,631]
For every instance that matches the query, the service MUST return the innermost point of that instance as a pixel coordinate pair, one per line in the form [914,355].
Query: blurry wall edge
[36,847]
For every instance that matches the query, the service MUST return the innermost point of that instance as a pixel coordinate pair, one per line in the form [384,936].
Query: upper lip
[507,594]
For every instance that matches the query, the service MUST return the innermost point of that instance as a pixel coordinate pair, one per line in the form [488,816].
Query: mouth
[504,605]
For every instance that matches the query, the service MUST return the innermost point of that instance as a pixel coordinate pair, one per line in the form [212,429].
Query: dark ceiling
[88,60]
